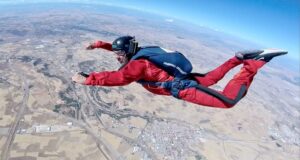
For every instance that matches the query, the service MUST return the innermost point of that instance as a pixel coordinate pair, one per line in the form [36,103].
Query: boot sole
[270,55]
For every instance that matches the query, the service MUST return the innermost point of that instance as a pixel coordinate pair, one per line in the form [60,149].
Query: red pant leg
[244,77]
[217,74]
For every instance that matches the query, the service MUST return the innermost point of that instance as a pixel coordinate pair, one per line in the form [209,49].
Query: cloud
[169,20]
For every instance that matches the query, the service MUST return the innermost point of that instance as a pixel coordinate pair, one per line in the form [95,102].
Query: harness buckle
[177,85]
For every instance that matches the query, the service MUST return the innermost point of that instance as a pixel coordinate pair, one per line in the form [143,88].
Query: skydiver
[162,76]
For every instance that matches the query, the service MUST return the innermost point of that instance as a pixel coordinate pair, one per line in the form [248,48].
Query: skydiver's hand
[79,78]
[100,44]
[90,47]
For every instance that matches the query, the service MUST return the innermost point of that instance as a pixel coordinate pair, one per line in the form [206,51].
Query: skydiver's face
[121,57]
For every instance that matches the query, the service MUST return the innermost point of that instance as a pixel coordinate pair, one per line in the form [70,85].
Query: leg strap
[177,85]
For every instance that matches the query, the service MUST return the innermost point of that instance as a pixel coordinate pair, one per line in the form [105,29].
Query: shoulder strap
[146,52]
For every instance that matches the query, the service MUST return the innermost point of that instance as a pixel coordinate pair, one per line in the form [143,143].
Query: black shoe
[268,54]
[248,54]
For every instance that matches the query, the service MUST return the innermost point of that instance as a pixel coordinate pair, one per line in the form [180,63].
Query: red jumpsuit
[143,69]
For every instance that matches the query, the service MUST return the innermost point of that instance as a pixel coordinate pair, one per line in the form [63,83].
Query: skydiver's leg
[244,77]
[217,74]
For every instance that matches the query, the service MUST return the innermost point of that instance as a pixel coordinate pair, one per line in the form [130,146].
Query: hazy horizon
[247,21]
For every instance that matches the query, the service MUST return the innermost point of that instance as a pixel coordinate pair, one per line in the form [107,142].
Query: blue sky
[271,23]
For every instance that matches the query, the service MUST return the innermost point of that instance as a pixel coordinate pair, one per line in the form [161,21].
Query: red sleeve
[133,71]
[103,45]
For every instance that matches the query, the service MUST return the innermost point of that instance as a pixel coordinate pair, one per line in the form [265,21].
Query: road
[12,131]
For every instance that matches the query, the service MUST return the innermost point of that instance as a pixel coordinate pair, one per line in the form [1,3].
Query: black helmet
[122,44]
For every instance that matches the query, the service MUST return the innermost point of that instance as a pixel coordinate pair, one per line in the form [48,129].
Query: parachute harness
[177,85]
[174,86]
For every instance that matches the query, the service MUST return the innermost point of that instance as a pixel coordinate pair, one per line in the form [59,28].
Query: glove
[90,47]
[79,77]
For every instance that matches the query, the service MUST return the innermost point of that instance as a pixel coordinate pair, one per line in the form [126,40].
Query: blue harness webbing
[177,85]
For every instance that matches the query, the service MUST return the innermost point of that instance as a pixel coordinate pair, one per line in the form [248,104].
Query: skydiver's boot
[264,55]
[268,54]
[248,54]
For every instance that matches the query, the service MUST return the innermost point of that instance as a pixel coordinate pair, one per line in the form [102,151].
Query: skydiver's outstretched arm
[100,44]
[133,71]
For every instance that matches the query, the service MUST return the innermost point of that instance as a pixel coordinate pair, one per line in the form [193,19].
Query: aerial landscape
[44,115]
